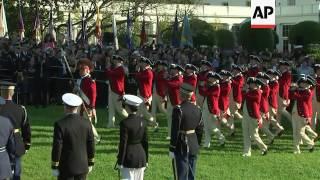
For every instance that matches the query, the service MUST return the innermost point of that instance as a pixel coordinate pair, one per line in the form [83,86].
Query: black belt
[134,142]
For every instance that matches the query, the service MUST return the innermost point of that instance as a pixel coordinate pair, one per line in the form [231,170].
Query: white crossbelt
[3,149]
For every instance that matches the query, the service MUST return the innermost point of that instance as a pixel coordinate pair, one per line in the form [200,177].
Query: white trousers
[158,103]
[144,111]
[132,173]
[115,106]
[169,116]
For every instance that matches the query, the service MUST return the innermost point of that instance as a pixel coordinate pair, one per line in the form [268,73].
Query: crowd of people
[198,90]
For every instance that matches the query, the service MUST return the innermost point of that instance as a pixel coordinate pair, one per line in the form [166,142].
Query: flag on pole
[115,33]
[98,27]
[69,29]
[186,35]
[175,40]
[143,34]
[37,28]
[3,22]
[158,31]
[21,24]
[129,32]
[52,32]
[83,28]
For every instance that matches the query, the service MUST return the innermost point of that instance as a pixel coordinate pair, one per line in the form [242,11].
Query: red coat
[173,85]
[318,89]
[212,95]
[253,98]
[253,72]
[89,88]
[202,79]
[161,83]
[303,98]
[116,77]
[237,85]
[225,90]
[192,80]
[273,96]
[285,82]
[264,103]
[144,79]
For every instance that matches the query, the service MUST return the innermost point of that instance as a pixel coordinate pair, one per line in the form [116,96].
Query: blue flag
[186,35]
[129,32]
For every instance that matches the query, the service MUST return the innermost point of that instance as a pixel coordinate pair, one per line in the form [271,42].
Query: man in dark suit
[73,145]
[133,146]
[186,134]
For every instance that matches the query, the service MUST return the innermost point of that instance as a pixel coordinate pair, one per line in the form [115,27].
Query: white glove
[90,169]
[55,172]
[171,155]
[120,166]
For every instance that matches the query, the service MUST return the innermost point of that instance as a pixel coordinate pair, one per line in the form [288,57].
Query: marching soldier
[251,117]
[237,86]
[19,119]
[190,77]
[316,98]
[174,82]
[205,67]
[285,82]
[132,158]
[186,134]
[73,145]
[211,111]
[116,76]
[254,66]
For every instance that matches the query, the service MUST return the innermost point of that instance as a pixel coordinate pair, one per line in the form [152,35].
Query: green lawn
[215,163]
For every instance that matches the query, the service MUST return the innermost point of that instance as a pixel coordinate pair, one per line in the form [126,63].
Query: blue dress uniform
[186,134]
[7,148]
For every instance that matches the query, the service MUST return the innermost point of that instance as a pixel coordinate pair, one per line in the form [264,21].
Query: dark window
[286,30]
[291,2]
[285,45]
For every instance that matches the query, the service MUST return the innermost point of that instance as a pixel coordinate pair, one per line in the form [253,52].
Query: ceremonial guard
[159,93]
[174,82]
[254,66]
[211,111]
[251,117]
[205,67]
[144,78]
[285,82]
[186,135]
[302,114]
[190,77]
[116,75]
[237,86]
[133,146]
[19,119]
[73,146]
[316,99]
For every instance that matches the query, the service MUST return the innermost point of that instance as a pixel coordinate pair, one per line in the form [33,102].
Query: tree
[202,33]
[304,33]
[225,39]
[256,39]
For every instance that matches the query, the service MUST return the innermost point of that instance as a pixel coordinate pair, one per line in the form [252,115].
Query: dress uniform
[252,118]
[173,84]
[186,135]
[316,98]
[132,158]
[202,79]
[116,76]
[144,77]
[211,111]
[73,147]
[159,93]
[237,86]
[19,119]
[285,82]
[190,77]
[254,68]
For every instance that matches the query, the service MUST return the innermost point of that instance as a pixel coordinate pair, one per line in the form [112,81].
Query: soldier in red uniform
[144,78]
[254,66]
[237,86]
[159,93]
[251,117]
[205,67]
[316,98]
[174,81]
[190,77]
[116,75]
[211,111]
[285,82]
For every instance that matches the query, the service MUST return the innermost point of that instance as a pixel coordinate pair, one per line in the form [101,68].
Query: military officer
[205,67]
[237,86]
[132,158]
[186,134]
[73,147]
[19,119]
[190,77]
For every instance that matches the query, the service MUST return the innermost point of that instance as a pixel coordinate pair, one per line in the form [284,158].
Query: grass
[215,163]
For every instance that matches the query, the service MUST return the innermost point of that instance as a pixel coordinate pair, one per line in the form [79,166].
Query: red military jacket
[202,80]
[253,98]
[273,95]
[116,77]
[303,98]
[212,95]
[173,89]
[318,89]
[89,88]
[252,72]
[225,90]
[264,103]
[145,79]
[285,82]
[161,83]
[237,85]
[192,80]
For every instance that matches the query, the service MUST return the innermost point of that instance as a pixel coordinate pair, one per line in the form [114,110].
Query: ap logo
[263,14]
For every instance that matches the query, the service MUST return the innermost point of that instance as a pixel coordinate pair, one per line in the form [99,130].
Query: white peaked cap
[71,100]
[132,100]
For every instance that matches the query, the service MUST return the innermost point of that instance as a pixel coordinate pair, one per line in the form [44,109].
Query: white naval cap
[71,100]
[132,100]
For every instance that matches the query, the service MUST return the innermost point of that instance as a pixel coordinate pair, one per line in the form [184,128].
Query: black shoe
[264,152]
[233,134]
[311,149]
[280,133]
